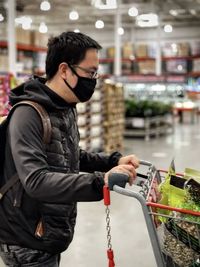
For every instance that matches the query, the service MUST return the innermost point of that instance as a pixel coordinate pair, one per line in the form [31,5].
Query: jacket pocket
[39,231]
[56,223]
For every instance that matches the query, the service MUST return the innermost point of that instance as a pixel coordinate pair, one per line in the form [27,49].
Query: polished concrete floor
[130,239]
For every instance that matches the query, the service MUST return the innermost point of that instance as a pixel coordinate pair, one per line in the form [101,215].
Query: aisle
[129,235]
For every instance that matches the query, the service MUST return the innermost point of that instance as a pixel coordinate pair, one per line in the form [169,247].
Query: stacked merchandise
[3,60]
[5,81]
[178,63]
[82,109]
[101,120]
[31,52]
[89,123]
[146,53]
[96,129]
[113,116]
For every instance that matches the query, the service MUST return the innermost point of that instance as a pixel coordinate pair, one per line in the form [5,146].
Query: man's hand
[128,169]
[130,159]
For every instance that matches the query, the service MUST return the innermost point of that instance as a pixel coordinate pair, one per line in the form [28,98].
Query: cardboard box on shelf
[96,119]
[183,49]
[127,50]
[195,48]
[40,39]
[84,143]
[127,68]
[96,143]
[82,120]
[152,50]
[141,50]
[146,67]
[176,66]
[170,49]
[196,65]
[96,131]
[3,62]
[3,33]
[111,52]
[95,107]
[23,36]
[81,107]
[83,131]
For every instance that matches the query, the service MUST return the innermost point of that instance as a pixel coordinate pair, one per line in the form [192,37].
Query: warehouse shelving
[149,126]
[24,47]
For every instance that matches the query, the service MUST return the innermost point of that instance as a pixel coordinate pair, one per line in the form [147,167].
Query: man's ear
[63,70]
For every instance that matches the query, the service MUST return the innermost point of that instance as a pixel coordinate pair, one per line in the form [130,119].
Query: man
[39,213]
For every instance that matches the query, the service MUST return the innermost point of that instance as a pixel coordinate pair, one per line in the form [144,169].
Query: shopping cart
[174,233]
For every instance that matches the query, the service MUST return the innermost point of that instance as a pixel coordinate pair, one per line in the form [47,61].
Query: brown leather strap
[8,185]
[46,138]
[44,117]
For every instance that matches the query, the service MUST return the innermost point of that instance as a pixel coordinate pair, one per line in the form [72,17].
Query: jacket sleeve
[90,162]
[25,137]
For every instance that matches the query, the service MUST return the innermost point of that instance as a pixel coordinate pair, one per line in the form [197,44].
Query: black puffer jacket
[40,211]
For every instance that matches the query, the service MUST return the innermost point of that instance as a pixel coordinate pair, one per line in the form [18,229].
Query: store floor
[130,239]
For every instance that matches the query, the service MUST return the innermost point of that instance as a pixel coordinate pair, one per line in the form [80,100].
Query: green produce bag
[181,230]
[170,195]
[179,197]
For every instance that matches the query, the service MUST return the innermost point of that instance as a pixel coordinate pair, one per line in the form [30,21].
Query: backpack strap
[46,123]
[8,185]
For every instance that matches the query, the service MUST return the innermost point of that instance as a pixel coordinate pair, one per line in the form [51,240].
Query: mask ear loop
[73,70]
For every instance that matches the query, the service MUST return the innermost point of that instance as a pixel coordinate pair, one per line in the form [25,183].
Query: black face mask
[84,88]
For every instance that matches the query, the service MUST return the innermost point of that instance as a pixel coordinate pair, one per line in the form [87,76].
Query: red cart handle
[110,254]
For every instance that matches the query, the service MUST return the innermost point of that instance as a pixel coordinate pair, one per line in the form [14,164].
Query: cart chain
[108,228]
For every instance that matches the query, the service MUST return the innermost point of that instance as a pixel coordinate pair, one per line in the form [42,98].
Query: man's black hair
[69,47]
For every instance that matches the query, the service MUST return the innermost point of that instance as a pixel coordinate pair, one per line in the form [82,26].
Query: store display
[176,66]
[5,86]
[113,116]
[177,58]
[31,52]
[196,65]
[101,120]
[147,67]
[142,50]
[127,50]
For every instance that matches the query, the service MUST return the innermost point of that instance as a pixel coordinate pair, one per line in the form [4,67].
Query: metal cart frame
[147,201]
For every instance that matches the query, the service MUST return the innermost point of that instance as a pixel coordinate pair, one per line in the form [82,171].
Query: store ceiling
[57,19]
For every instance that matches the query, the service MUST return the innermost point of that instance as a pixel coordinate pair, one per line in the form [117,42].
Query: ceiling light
[1,17]
[133,11]
[45,5]
[173,12]
[120,31]
[99,24]
[180,67]
[76,30]
[73,15]
[25,21]
[193,12]
[147,20]
[108,4]
[168,28]
[43,28]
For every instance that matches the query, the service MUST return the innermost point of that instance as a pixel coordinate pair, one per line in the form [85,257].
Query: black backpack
[3,129]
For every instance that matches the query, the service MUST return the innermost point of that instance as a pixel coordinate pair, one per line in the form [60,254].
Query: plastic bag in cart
[181,231]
